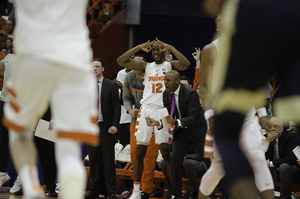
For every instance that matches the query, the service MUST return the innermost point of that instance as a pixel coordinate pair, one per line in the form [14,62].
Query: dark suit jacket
[110,104]
[286,143]
[192,114]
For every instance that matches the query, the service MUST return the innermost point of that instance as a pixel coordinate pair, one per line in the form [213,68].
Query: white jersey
[38,25]
[154,84]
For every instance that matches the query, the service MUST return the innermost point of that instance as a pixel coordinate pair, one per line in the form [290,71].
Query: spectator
[9,27]
[8,45]
[185,80]
[282,162]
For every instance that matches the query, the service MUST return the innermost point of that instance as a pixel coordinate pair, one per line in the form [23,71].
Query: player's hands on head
[147,46]
[196,54]
[163,46]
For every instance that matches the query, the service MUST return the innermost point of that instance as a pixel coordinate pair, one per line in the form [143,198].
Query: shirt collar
[100,80]
[177,91]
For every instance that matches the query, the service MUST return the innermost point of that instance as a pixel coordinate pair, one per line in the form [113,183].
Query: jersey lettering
[157,88]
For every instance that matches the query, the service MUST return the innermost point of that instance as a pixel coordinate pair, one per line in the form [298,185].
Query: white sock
[136,187]
[30,182]
[72,175]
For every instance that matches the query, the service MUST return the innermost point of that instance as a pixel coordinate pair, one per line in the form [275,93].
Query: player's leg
[74,112]
[29,90]
[212,176]
[143,136]
[149,166]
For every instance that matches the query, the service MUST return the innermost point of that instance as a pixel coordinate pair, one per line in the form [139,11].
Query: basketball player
[152,101]
[52,65]
[249,57]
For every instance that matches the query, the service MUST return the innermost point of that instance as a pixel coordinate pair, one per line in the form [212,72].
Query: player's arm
[127,94]
[126,61]
[204,70]
[2,66]
[182,63]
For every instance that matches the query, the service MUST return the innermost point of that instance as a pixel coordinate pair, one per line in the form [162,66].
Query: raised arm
[182,63]
[126,61]
[204,70]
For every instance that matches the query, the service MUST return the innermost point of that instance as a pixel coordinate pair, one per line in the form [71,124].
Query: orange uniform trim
[137,90]
[94,120]
[196,80]
[84,137]
[14,106]
[10,125]
[12,92]
[208,143]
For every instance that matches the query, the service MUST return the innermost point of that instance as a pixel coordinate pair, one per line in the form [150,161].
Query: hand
[112,130]
[147,46]
[298,162]
[168,56]
[292,129]
[151,122]
[163,46]
[133,113]
[50,125]
[119,84]
[271,136]
[267,124]
[196,54]
[170,119]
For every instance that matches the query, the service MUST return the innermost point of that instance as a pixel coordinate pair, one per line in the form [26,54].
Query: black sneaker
[145,195]
[19,193]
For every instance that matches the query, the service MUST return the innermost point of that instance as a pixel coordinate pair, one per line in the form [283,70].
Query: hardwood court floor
[4,194]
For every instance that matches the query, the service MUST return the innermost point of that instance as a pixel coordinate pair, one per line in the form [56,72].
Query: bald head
[172,80]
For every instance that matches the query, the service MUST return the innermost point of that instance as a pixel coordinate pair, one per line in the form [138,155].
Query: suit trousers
[102,163]
[181,144]
[288,174]
[46,153]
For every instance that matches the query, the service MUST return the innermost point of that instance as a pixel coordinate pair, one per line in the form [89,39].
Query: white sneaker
[136,194]
[17,185]
[4,178]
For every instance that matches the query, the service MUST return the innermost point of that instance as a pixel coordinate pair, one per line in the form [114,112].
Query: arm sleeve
[196,80]
[127,94]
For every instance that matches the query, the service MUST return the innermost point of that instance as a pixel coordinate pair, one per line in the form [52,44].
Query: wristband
[209,113]
[262,112]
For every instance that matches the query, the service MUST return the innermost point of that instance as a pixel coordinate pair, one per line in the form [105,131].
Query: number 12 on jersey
[157,88]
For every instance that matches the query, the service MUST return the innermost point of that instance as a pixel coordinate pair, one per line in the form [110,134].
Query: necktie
[173,104]
[98,94]
[275,157]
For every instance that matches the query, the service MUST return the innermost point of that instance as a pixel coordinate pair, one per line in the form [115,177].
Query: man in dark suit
[189,122]
[102,158]
[282,161]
